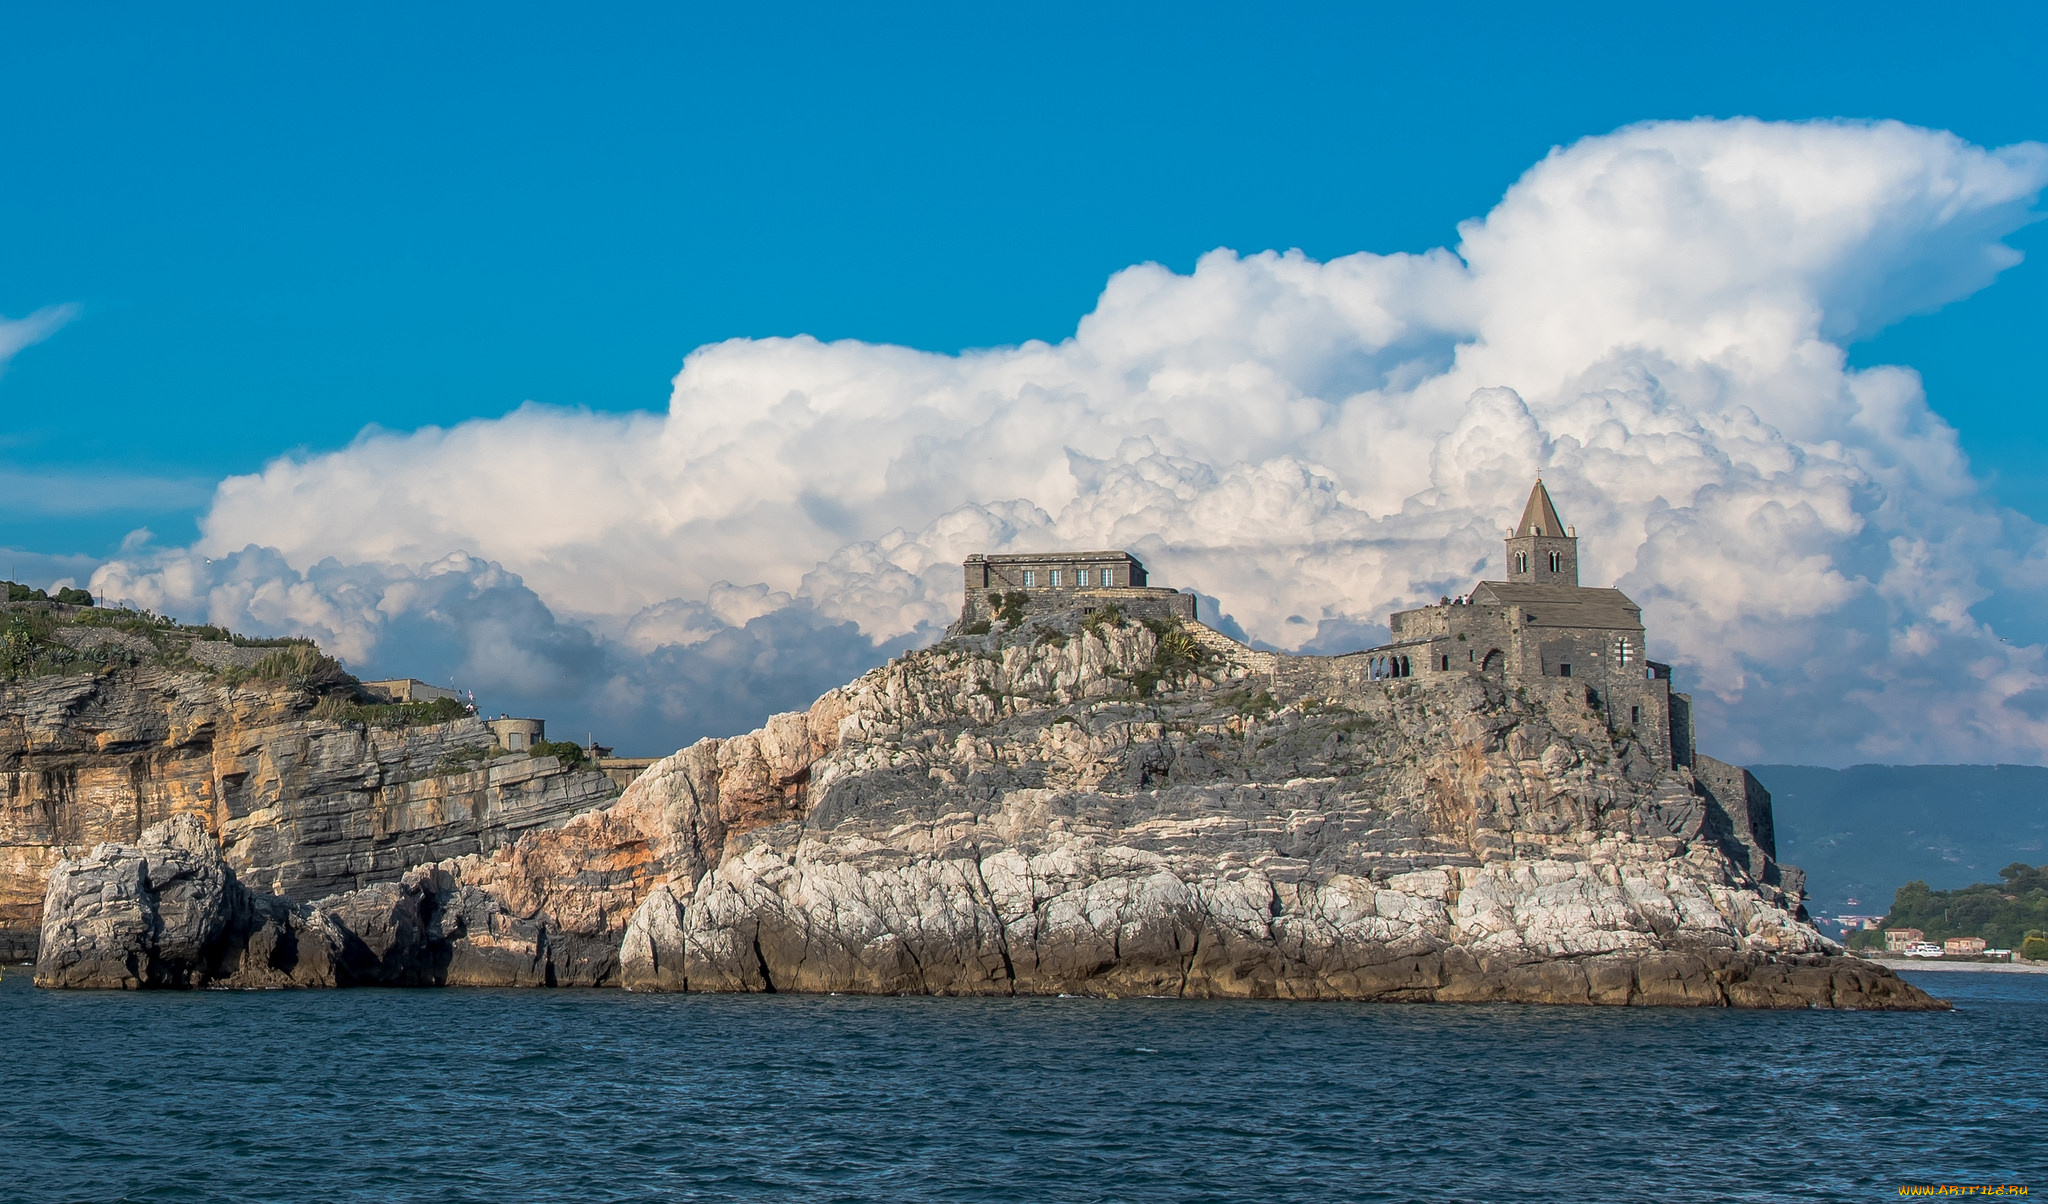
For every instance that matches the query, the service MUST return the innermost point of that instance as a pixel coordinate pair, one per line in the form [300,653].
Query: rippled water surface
[600,1095]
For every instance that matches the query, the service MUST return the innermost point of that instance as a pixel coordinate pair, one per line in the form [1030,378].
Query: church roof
[1539,517]
[1563,605]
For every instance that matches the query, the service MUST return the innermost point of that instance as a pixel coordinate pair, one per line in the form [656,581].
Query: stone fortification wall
[1138,603]
[1002,589]
[1743,821]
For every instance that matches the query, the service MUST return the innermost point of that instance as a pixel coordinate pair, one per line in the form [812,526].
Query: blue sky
[283,225]
[263,232]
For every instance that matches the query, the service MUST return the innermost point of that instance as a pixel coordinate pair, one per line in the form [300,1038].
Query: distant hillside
[1865,831]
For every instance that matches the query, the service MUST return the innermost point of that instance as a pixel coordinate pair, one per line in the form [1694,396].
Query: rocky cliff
[122,727]
[1093,806]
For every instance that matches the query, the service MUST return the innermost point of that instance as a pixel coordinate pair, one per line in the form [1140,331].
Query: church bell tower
[1541,549]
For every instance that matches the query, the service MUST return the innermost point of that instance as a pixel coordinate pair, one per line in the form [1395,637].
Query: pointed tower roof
[1539,517]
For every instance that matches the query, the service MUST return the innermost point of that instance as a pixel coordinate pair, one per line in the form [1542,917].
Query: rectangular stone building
[1058,581]
[407,689]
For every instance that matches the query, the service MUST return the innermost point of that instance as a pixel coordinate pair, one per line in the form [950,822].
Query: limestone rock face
[651,956]
[1080,807]
[1114,808]
[303,807]
[168,911]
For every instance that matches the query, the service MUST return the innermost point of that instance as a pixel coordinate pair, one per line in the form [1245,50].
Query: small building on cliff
[408,689]
[517,735]
[1049,582]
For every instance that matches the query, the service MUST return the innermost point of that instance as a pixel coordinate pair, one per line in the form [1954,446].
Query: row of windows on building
[1398,666]
[1556,562]
[1077,578]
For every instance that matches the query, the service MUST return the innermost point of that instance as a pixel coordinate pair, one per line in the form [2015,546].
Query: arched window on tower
[1557,562]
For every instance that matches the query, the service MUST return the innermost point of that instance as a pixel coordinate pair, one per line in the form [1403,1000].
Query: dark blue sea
[599,1095]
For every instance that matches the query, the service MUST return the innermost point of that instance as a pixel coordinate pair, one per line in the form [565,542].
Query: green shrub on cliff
[2002,913]
[1107,616]
[341,708]
[568,752]
[300,666]
[469,760]
[122,618]
[1176,652]
[29,647]
[1009,607]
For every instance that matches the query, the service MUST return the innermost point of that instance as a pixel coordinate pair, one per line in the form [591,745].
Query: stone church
[1544,633]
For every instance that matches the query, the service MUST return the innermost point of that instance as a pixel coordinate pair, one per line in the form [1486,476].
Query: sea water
[463,1095]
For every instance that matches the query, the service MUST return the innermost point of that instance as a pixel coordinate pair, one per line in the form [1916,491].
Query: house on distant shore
[1898,940]
[1963,944]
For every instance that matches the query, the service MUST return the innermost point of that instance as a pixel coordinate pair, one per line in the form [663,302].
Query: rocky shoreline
[168,912]
[251,741]
[1082,805]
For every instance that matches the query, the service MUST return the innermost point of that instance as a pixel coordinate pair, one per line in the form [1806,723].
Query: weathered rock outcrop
[168,912]
[304,806]
[1118,809]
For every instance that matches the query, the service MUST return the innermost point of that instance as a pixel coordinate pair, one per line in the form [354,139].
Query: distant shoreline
[1935,963]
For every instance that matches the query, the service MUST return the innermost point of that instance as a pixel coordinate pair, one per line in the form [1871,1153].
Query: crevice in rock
[761,964]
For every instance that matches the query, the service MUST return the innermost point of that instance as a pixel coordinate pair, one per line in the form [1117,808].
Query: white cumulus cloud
[1655,319]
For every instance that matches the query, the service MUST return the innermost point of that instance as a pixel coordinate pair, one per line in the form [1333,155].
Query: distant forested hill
[1865,831]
